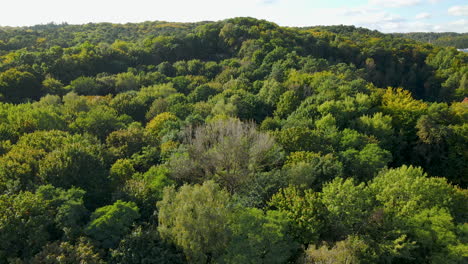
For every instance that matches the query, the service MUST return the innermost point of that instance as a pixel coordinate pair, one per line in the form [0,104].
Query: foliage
[109,223]
[260,238]
[235,141]
[67,253]
[195,218]
[144,246]
[228,151]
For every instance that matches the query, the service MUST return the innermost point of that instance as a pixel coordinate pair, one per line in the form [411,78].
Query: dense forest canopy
[235,141]
[457,40]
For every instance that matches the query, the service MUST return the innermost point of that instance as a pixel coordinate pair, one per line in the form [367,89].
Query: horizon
[214,21]
[397,16]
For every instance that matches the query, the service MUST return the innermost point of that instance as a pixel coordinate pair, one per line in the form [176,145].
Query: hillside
[457,40]
[236,141]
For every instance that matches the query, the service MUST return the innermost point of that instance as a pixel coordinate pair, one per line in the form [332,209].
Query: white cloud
[423,16]
[373,18]
[283,12]
[460,26]
[458,10]
[358,11]
[267,2]
[394,3]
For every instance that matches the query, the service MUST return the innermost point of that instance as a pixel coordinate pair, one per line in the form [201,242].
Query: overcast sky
[383,15]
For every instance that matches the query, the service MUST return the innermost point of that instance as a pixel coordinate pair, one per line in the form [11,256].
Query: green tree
[126,81]
[145,189]
[79,165]
[110,223]
[99,121]
[126,142]
[347,251]
[85,86]
[30,220]
[53,86]
[287,103]
[67,253]
[129,103]
[378,125]
[24,224]
[348,207]
[308,169]
[304,209]
[161,124]
[145,246]
[259,237]
[364,164]
[17,85]
[195,218]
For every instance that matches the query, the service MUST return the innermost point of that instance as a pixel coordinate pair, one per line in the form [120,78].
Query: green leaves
[110,223]
[195,218]
[17,85]
[304,209]
[259,237]
[28,220]
[135,108]
[99,121]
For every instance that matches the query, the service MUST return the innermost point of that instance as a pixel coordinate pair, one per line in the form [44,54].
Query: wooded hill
[235,141]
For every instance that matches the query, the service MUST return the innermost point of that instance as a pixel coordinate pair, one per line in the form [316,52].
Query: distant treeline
[446,39]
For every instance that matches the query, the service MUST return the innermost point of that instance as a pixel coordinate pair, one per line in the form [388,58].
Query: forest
[236,141]
[456,40]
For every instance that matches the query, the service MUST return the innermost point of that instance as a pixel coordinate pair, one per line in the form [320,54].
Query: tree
[378,125]
[110,223]
[24,224]
[287,103]
[259,237]
[126,142]
[69,209]
[121,171]
[161,125]
[85,86]
[19,168]
[408,189]
[308,169]
[426,209]
[99,121]
[348,207]
[17,85]
[145,189]
[304,209]
[195,218]
[301,139]
[145,246]
[227,151]
[202,93]
[126,82]
[347,251]
[364,164]
[67,253]
[129,103]
[79,165]
[52,86]
[28,221]
[271,92]
[402,107]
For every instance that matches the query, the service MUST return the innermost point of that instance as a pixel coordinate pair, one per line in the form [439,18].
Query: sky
[382,15]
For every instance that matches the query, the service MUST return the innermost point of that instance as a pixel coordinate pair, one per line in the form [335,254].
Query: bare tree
[228,151]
